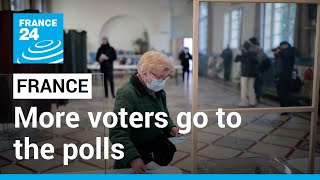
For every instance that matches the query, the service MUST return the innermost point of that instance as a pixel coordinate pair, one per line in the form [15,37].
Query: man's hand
[175,132]
[138,166]
[103,57]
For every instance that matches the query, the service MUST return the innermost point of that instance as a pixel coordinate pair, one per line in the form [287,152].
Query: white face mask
[156,85]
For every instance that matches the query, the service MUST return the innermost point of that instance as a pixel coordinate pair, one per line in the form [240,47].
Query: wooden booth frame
[313,109]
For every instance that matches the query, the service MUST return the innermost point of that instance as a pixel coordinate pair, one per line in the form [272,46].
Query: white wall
[118,27]
[218,11]
[91,15]
[181,23]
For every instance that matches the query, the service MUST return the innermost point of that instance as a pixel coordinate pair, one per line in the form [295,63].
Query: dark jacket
[134,97]
[249,61]
[108,51]
[184,58]
[227,55]
[285,63]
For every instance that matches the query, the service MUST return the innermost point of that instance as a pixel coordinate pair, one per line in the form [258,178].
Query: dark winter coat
[249,61]
[108,51]
[135,97]
[227,56]
[285,63]
[184,58]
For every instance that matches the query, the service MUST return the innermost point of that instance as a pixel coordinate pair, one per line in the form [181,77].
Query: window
[279,21]
[232,28]
[12,5]
[203,28]
[187,42]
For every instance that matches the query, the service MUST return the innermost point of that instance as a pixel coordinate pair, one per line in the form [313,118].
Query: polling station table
[153,168]
[252,165]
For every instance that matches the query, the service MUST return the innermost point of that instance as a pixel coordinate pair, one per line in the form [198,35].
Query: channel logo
[43,52]
[38,38]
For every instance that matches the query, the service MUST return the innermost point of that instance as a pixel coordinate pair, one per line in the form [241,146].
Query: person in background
[285,59]
[184,58]
[249,61]
[263,65]
[144,92]
[227,56]
[105,56]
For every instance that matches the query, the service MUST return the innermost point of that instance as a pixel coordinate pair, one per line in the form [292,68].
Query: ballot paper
[153,166]
[177,140]
[103,57]
[165,170]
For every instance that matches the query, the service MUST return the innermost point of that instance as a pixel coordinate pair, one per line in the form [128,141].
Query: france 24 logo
[37,38]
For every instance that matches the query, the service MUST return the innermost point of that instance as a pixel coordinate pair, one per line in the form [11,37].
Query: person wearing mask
[227,56]
[285,59]
[249,61]
[184,58]
[105,56]
[144,92]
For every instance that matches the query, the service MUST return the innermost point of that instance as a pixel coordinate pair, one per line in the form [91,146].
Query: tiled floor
[259,135]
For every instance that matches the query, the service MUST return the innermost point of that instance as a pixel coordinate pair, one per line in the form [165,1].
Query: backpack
[265,64]
[160,152]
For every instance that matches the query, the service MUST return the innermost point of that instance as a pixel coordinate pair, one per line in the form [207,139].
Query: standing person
[105,56]
[184,58]
[249,62]
[227,56]
[263,65]
[144,92]
[285,58]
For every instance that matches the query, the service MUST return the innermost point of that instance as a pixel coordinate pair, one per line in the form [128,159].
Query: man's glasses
[159,78]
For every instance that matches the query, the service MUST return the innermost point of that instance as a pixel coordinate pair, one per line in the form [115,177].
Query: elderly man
[144,93]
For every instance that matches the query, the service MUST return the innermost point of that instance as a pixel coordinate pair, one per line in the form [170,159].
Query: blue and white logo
[38,38]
